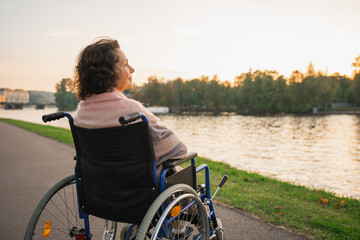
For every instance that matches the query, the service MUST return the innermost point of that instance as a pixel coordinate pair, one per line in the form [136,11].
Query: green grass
[281,203]
[61,134]
[296,207]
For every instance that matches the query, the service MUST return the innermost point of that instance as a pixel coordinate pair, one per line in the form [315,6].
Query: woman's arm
[166,143]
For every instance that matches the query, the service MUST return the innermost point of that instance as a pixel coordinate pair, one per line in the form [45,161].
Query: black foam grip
[129,118]
[53,116]
[223,180]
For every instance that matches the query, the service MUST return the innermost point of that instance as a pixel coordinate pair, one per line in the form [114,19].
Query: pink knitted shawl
[103,110]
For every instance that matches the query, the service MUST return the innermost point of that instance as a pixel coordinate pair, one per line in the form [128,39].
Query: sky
[40,39]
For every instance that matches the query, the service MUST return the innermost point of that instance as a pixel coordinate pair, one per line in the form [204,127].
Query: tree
[178,94]
[194,95]
[215,95]
[325,91]
[355,90]
[356,64]
[353,93]
[310,71]
[243,85]
[65,98]
[341,85]
[296,77]
[282,102]
[230,97]
[300,97]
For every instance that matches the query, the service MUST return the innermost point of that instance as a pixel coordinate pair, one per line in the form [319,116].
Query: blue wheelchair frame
[205,196]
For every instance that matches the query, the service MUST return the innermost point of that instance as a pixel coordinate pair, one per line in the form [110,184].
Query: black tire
[194,220]
[219,231]
[60,207]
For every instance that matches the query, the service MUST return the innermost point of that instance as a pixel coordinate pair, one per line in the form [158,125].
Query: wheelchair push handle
[53,116]
[223,180]
[129,118]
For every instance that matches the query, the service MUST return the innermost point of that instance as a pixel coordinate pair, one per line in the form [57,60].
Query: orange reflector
[175,211]
[47,229]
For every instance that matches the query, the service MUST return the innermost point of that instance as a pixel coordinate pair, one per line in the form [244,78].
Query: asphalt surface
[32,164]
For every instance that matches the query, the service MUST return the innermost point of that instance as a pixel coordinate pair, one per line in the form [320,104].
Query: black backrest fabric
[115,171]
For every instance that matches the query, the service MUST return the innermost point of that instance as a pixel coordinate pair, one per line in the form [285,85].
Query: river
[315,151]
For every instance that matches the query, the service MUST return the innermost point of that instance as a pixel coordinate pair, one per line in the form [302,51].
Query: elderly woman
[101,74]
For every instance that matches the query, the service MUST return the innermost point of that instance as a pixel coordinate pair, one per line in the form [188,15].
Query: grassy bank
[315,213]
[312,212]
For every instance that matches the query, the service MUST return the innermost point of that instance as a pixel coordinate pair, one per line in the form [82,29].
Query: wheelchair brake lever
[223,180]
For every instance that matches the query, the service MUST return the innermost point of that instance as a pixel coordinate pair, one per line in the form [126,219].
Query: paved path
[30,164]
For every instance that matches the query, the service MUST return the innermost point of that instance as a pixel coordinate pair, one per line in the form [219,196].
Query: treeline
[257,92]
[65,97]
[254,92]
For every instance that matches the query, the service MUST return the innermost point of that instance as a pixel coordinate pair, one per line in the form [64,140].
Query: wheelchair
[115,182]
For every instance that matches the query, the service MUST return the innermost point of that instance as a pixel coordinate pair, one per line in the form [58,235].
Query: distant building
[341,105]
[2,101]
[40,97]
[15,99]
[15,96]
[158,110]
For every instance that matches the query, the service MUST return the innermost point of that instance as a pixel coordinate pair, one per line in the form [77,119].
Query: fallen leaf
[281,213]
[340,204]
[323,201]
[278,207]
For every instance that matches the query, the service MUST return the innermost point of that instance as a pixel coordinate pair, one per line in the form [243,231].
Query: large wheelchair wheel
[177,213]
[57,216]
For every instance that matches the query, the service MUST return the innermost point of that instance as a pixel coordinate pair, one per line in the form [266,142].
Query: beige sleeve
[166,143]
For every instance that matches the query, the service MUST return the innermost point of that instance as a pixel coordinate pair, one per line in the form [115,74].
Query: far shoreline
[161,111]
[320,113]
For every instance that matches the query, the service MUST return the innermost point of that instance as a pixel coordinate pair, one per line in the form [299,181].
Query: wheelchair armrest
[170,163]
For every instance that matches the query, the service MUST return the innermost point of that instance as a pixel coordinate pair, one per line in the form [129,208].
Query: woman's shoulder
[116,101]
[134,103]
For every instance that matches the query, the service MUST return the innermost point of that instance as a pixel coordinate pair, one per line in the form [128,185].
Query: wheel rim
[188,224]
[192,220]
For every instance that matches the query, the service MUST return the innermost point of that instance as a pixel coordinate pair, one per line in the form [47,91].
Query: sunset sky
[40,39]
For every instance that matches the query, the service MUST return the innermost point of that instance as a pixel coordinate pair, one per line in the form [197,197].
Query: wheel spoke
[54,216]
[59,206]
[75,209]
[67,207]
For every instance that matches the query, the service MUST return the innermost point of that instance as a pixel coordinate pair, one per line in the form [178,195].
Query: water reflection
[317,151]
